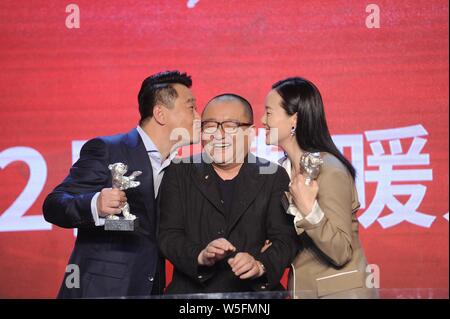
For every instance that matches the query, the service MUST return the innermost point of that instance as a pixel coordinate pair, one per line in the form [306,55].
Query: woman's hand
[303,195]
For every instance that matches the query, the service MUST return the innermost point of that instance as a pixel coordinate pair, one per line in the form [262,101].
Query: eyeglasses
[229,127]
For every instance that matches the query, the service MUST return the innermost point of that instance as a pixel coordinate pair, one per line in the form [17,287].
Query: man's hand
[216,250]
[266,246]
[245,266]
[110,201]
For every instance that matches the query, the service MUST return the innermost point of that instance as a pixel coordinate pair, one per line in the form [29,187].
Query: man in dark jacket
[217,212]
[116,263]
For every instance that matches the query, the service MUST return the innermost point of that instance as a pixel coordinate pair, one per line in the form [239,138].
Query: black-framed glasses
[229,127]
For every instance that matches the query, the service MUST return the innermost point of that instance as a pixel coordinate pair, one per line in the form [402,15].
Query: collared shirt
[158,163]
[158,167]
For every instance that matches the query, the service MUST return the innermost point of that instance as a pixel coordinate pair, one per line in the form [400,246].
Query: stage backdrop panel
[71,71]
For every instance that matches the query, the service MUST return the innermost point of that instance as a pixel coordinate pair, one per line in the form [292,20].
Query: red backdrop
[385,91]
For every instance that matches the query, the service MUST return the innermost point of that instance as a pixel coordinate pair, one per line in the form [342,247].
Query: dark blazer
[111,263]
[192,215]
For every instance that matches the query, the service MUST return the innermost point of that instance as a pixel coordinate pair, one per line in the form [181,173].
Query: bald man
[217,212]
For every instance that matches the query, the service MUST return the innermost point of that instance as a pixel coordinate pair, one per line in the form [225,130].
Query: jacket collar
[249,181]
[139,160]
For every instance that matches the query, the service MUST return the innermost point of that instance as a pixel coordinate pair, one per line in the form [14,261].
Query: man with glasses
[217,212]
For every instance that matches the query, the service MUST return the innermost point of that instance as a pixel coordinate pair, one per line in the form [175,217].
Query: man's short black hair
[234,97]
[158,88]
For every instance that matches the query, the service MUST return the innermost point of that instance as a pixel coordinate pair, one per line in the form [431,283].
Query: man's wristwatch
[262,269]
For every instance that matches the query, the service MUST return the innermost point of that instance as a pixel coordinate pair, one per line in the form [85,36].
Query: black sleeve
[175,246]
[281,232]
[69,204]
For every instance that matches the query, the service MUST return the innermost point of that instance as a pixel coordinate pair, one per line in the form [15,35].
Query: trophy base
[121,224]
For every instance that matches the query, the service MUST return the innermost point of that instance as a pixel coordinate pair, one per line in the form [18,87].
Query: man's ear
[159,114]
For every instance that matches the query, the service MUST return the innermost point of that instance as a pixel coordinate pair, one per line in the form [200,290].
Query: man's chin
[221,160]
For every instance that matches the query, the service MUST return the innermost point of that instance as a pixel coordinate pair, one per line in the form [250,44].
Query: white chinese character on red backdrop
[405,179]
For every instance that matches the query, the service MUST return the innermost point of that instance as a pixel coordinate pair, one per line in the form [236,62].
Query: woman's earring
[292,131]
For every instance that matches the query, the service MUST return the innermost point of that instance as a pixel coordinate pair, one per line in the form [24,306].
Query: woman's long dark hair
[302,97]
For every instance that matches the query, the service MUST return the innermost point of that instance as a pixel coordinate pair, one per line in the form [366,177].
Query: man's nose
[219,134]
